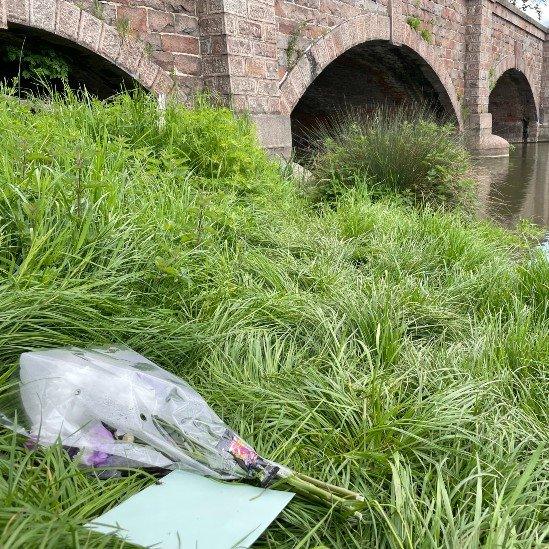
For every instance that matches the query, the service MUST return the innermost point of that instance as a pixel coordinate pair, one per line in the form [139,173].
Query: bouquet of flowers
[113,408]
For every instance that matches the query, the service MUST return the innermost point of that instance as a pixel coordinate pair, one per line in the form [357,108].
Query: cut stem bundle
[340,498]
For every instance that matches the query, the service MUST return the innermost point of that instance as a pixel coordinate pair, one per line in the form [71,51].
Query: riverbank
[399,351]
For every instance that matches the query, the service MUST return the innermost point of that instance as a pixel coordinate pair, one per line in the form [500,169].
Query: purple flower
[99,439]
[95,458]
[31,443]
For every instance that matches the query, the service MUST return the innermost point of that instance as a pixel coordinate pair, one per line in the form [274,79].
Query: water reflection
[517,187]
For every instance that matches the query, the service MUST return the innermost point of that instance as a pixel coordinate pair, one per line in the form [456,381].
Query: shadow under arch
[513,107]
[366,77]
[92,41]
[19,46]
[397,40]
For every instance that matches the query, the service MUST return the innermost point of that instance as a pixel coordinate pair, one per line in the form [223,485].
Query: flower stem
[312,491]
[337,490]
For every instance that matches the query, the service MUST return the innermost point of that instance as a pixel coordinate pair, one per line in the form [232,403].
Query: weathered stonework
[472,43]
[481,58]
[3,15]
[238,40]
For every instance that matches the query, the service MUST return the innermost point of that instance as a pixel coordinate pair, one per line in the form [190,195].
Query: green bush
[402,152]
[40,64]
[210,140]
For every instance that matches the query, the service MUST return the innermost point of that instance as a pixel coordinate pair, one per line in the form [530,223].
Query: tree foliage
[41,64]
[535,5]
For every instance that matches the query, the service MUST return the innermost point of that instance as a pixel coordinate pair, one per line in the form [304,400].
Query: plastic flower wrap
[113,408]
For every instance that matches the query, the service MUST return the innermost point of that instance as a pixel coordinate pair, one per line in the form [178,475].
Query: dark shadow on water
[516,188]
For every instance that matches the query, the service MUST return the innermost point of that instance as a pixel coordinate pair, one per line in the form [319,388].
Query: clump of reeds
[403,151]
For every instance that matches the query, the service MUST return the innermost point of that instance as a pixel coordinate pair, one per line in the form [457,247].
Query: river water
[517,187]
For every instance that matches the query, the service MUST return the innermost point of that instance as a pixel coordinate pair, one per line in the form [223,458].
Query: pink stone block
[68,20]
[19,11]
[3,15]
[163,83]
[111,43]
[90,31]
[129,57]
[42,14]
[146,72]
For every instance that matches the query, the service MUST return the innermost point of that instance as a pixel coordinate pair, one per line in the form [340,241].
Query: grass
[401,352]
[405,152]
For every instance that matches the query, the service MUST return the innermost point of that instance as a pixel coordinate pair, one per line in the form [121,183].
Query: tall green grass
[398,351]
[404,152]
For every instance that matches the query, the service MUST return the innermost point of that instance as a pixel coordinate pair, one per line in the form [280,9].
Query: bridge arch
[513,103]
[64,20]
[356,35]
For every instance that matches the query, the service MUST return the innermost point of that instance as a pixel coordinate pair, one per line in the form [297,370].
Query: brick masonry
[263,55]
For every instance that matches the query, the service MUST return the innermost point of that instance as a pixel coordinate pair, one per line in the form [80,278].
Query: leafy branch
[43,65]
[535,5]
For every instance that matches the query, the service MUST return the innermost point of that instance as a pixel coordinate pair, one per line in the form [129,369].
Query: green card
[194,512]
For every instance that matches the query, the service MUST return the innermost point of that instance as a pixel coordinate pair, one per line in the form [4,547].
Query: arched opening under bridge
[36,61]
[513,108]
[366,77]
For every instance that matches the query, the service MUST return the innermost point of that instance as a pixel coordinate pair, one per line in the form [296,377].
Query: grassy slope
[398,352]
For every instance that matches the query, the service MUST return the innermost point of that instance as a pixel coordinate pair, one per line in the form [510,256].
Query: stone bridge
[293,63]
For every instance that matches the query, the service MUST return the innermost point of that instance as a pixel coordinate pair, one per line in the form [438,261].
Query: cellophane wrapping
[113,408]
